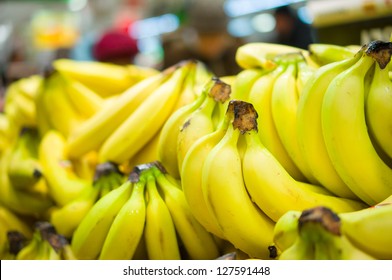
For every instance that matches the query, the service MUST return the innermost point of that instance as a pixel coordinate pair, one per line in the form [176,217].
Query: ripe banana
[284,103]
[160,232]
[85,100]
[167,143]
[320,238]
[191,178]
[261,97]
[200,122]
[286,230]
[323,53]
[267,182]
[9,221]
[127,227]
[345,130]
[309,130]
[94,131]
[244,82]
[89,236]
[62,114]
[378,106]
[106,79]
[261,55]
[24,168]
[199,244]
[241,221]
[369,230]
[25,203]
[147,119]
[64,185]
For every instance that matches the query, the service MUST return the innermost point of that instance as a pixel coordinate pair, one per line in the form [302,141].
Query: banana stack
[288,159]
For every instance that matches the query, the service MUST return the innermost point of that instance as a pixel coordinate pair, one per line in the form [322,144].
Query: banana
[128,225]
[191,178]
[94,131]
[64,185]
[244,82]
[8,132]
[260,96]
[167,143]
[30,86]
[369,230]
[201,121]
[267,182]
[24,168]
[146,154]
[188,91]
[42,114]
[320,238]
[199,244]
[106,79]
[31,250]
[62,114]
[160,232]
[85,100]
[261,54]
[21,202]
[147,119]
[323,53]
[241,221]
[284,104]
[19,107]
[9,221]
[378,106]
[309,129]
[345,130]
[286,230]
[89,236]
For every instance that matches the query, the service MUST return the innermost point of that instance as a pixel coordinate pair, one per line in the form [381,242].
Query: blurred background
[158,33]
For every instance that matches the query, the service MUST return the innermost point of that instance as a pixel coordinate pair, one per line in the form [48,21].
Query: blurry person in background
[291,30]
[203,37]
[115,46]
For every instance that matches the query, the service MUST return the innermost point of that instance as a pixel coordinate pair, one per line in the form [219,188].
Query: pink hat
[114,44]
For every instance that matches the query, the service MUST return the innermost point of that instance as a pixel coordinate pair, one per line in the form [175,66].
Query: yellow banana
[284,102]
[31,85]
[24,168]
[261,54]
[64,185]
[261,97]
[61,112]
[244,82]
[320,238]
[85,100]
[200,122]
[323,53]
[21,202]
[106,79]
[369,229]
[89,236]
[19,107]
[199,244]
[345,130]
[309,130]
[286,230]
[128,225]
[167,143]
[146,120]
[267,182]
[11,222]
[160,233]
[188,91]
[94,131]
[191,178]
[378,106]
[241,221]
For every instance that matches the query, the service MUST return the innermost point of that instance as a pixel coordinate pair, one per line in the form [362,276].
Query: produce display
[290,159]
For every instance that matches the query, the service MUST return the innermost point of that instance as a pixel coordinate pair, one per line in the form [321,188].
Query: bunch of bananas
[126,162]
[320,233]
[146,217]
